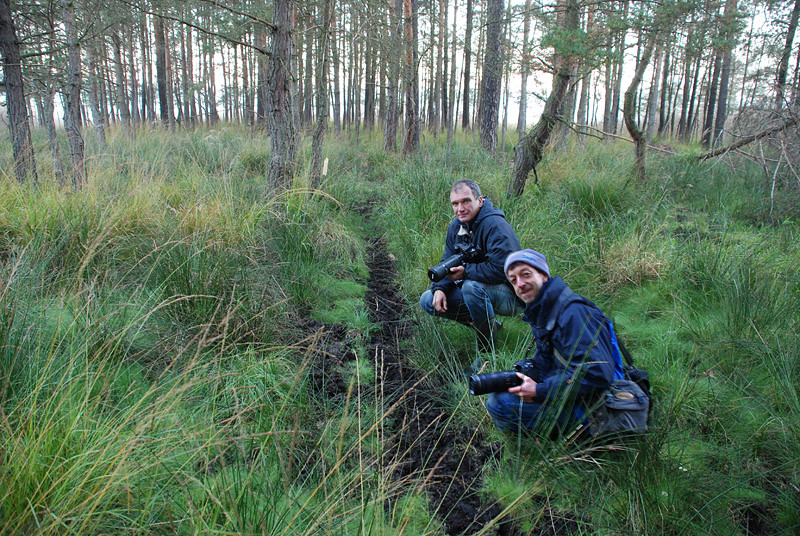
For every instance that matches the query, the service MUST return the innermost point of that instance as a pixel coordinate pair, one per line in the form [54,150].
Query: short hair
[466,183]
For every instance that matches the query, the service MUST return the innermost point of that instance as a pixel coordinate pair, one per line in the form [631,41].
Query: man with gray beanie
[576,358]
[473,292]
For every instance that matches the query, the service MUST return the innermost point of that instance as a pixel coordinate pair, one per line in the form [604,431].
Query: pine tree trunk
[526,68]
[371,68]
[465,111]
[161,71]
[283,138]
[48,109]
[492,75]
[123,105]
[262,63]
[337,93]
[322,93]
[664,108]
[451,113]
[72,96]
[136,117]
[308,92]
[94,103]
[783,64]
[652,98]
[411,138]
[711,102]
[444,46]
[392,105]
[17,106]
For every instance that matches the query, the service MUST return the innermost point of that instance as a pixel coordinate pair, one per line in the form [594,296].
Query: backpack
[626,405]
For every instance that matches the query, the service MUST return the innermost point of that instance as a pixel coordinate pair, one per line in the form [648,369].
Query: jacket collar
[538,311]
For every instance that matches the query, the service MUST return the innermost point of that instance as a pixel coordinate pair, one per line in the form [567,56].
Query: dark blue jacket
[581,334]
[493,235]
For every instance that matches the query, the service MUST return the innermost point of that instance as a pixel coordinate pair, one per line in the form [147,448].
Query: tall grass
[153,377]
[705,300]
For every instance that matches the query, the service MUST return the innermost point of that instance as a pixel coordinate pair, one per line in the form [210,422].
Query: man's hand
[527,390]
[456,273]
[440,301]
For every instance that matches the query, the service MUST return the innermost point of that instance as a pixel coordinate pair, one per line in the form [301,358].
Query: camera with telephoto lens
[499,382]
[464,253]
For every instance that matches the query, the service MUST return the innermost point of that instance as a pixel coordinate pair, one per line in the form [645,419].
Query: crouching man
[473,292]
[574,361]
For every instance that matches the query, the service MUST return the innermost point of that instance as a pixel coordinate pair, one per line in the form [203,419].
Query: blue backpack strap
[619,371]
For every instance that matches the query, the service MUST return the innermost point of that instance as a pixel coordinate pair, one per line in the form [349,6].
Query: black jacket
[489,232]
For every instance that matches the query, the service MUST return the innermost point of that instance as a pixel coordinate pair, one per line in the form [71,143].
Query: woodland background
[196,201]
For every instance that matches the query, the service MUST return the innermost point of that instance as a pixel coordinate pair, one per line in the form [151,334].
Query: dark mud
[422,447]
[424,444]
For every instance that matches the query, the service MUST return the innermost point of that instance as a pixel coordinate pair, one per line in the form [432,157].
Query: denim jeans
[511,414]
[476,301]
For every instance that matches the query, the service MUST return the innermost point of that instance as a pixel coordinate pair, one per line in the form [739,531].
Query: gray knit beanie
[528,256]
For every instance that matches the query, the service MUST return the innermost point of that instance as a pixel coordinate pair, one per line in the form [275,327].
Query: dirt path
[423,443]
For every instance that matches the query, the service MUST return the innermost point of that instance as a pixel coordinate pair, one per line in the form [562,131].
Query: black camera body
[464,253]
[499,382]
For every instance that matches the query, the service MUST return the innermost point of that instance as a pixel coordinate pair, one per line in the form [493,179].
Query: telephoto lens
[440,271]
[493,382]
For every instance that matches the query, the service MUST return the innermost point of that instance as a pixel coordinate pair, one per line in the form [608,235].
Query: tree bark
[308,94]
[161,71]
[663,110]
[392,106]
[262,67]
[711,103]
[729,34]
[451,118]
[123,105]
[652,98]
[337,93]
[322,94]
[783,65]
[467,64]
[19,128]
[526,68]
[72,95]
[283,138]
[94,103]
[371,67]
[411,139]
[492,75]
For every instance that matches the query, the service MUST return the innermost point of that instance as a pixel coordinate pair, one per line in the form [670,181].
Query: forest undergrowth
[181,353]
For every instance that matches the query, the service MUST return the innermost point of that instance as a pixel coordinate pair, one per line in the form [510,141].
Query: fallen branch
[604,134]
[750,139]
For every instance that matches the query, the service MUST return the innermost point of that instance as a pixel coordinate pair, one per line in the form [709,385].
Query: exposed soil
[449,459]
[422,445]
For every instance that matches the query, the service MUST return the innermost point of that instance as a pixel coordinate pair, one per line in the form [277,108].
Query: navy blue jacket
[581,334]
[493,235]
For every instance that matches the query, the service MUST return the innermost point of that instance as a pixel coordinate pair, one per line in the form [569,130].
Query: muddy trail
[422,446]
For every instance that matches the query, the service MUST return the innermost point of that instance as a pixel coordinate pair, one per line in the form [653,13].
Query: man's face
[526,280]
[465,205]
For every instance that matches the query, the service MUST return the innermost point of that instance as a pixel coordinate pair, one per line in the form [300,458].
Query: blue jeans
[511,414]
[476,301]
